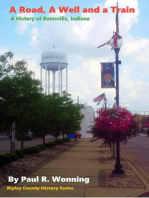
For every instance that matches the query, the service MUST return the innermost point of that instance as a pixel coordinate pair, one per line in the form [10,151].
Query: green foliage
[31,150]
[7,158]
[18,89]
[28,151]
[41,146]
[5,68]
[19,153]
[13,156]
[67,139]
[71,115]
[4,159]
[55,115]
[60,141]
[50,144]
[23,103]
[26,137]
[37,149]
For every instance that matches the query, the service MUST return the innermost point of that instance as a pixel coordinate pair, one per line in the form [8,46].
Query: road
[138,150]
[5,144]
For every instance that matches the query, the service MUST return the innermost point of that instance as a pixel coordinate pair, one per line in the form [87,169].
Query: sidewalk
[85,160]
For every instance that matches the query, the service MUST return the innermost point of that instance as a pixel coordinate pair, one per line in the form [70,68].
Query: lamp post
[117,62]
[105,101]
[118,166]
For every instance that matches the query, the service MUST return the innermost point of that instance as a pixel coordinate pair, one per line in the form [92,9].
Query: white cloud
[22,25]
[80,40]
[83,37]
[3,50]
[138,48]
[34,36]
[132,90]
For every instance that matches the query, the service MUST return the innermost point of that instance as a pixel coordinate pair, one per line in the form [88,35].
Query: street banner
[107,75]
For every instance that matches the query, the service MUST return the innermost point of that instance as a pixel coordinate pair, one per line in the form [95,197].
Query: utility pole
[78,99]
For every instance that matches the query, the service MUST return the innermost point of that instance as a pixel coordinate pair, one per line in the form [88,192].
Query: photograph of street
[74,92]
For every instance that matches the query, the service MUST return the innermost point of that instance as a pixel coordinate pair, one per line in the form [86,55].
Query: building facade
[87,121]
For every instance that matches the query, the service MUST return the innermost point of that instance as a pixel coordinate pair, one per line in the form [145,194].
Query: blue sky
[79,40]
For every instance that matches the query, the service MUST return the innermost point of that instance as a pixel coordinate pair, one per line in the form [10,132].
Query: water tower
[54,60]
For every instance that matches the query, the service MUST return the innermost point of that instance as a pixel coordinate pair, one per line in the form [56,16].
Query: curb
[126,157]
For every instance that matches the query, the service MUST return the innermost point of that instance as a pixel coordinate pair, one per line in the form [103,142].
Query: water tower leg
[66,80]
[61,84]
[46,79]
[41,75]
[59,78]
[53,81]
[48,82]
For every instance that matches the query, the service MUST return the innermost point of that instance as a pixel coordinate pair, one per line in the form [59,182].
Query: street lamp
[118,166]
[117,62]
[119,42]
[105,102]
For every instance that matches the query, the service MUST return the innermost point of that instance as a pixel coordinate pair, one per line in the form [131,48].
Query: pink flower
[114,119]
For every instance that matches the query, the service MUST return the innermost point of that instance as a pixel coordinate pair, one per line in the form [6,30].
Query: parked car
[71,135]
[79,136]
[144,130]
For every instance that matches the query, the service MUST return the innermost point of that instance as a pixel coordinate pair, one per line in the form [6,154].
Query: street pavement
[5,145]
[137,152]
[138,149]
[80,161]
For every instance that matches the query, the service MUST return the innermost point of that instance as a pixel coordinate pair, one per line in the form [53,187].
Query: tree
[73,123]
[65,113]
[71,114]
[5,68]
[17,90]
[40,114]
[144,120]
[115,120]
